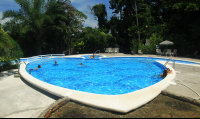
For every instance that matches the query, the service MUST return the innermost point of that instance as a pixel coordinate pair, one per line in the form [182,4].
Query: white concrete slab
[19,99]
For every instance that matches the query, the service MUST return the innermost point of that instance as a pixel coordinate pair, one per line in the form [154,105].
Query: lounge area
[111,50]
[166,52]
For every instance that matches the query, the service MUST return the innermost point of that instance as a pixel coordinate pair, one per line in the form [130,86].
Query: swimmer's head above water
[39,66]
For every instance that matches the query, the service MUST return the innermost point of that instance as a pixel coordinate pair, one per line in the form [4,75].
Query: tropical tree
[137,20]
[182,20]
[25,40]
[9,50]
[32,17]
[154,40]
[54,40]
[94,39]
[5,41]
[130,13]
[73,26]
[99,12]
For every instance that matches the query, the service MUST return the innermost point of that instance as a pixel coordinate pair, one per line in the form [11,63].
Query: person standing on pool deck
[92,56]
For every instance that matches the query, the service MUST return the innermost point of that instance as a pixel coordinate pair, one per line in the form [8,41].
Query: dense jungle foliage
[9,51]
[52,26]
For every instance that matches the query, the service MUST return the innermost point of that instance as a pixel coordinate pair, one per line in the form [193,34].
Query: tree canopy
[9,49]
[54,26]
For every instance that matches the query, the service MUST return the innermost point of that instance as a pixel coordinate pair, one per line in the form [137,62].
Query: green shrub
[9,51]
[155,39]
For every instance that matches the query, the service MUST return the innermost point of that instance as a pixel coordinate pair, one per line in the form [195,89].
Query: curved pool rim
[121,103]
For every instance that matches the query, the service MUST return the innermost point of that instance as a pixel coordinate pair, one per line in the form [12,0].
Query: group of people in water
[164,74]
[91,57]
[39,66]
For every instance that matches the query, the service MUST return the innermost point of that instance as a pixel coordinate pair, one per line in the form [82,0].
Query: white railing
[56,55]
[35,58]
[96,51]
[40,57]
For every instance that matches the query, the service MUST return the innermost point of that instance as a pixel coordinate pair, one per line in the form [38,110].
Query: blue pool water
[109,76]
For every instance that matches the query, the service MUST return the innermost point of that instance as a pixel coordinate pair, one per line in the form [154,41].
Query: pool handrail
[173,63]
[26,66]
[166,63]
[39,57]
[96,51]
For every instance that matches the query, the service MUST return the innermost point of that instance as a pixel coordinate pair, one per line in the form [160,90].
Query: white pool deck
[120,103]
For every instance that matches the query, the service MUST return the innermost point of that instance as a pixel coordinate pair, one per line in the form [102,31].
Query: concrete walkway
[20,99]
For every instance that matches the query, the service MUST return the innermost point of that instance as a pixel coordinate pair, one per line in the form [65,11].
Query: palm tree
[5,41]
[32,17]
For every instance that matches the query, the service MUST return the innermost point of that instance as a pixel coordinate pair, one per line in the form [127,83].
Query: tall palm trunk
[39,43]
[70,46]
[137,23]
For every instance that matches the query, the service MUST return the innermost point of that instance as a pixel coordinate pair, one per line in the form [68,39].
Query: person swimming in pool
[169,71]
[166,72]
[82,64]
[39,66]
[92,57]
[55,63]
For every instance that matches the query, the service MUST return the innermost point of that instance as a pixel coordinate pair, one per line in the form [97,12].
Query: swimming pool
[108,76]
[119,102]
